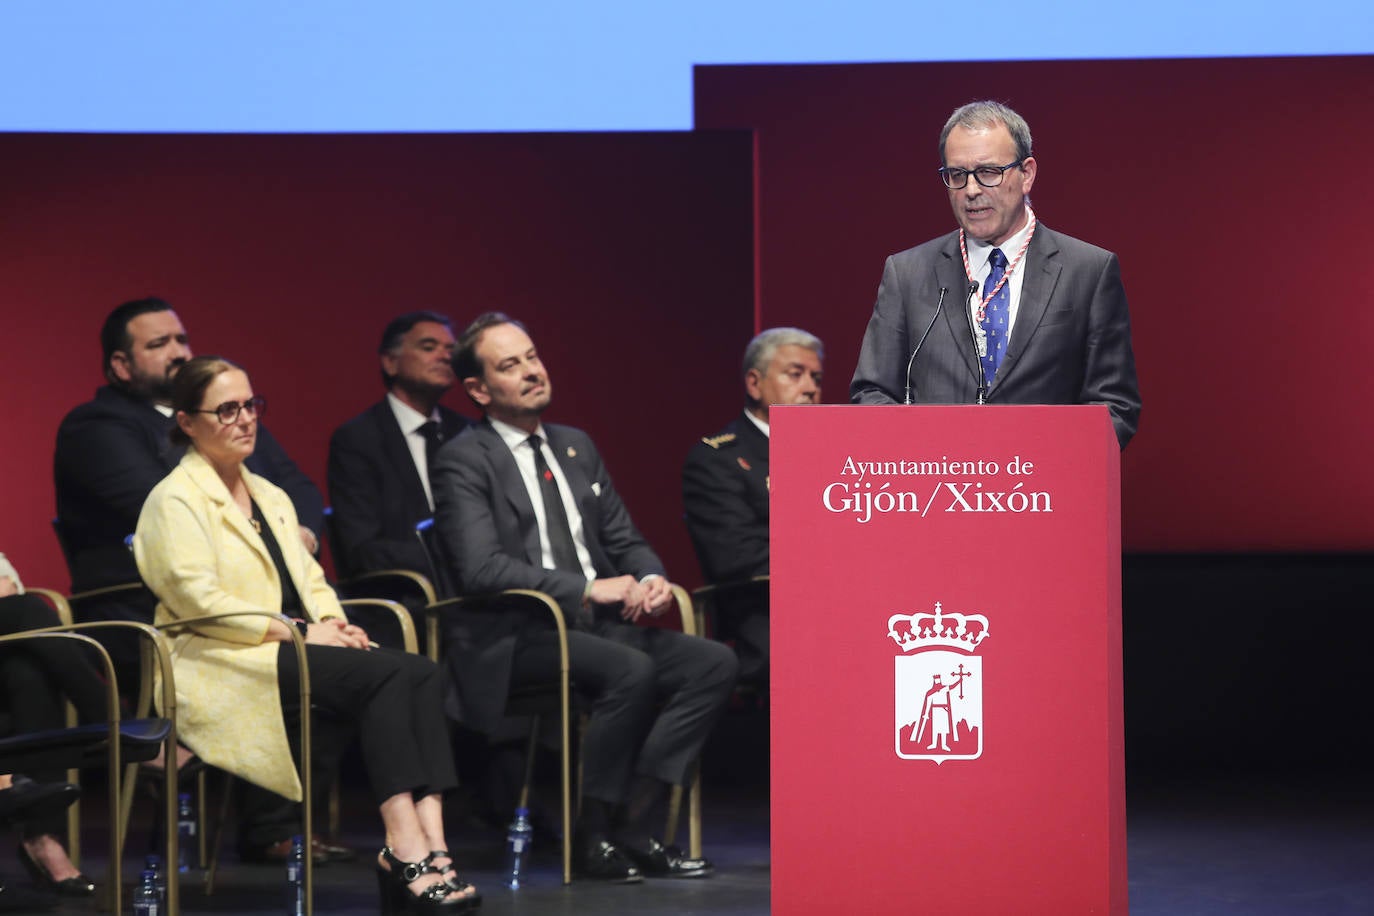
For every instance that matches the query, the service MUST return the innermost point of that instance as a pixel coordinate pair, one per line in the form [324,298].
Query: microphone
[973,337]
[911,362]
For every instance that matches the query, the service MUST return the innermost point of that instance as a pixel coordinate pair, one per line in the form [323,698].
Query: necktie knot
[997,259]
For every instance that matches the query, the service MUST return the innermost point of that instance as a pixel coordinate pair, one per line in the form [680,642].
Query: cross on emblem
[961,674]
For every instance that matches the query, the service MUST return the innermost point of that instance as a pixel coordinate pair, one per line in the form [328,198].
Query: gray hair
[983,115]
[765,346]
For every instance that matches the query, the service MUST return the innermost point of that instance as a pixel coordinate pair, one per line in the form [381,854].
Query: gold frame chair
[114,732]
[424,531]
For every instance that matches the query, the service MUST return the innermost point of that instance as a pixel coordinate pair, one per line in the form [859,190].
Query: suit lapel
[397,452]
[512,487]
[578,482]
[584,497]
[204,477]
[949,271]
[1042,273]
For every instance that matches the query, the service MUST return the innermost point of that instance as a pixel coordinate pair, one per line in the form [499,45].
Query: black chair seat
[82,745]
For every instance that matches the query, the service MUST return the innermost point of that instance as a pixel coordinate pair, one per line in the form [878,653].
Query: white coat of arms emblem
[939,684]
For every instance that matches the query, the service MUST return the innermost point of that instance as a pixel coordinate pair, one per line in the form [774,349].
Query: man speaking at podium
[1005,310]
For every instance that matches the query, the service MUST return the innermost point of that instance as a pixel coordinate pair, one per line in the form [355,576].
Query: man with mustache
[1031,316]
[524,504]
[111,452]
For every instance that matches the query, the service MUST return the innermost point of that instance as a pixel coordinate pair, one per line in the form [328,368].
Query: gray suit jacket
[489,536]
[1071,343]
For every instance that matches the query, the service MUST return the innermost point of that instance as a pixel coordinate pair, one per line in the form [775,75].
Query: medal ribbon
[981,313]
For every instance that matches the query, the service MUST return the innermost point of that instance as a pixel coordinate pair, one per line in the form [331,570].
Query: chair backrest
[342,568]
[434,555]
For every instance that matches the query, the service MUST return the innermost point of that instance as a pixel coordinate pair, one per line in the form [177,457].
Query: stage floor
[1254,847]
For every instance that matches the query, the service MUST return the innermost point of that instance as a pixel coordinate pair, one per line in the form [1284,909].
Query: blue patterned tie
[997,312]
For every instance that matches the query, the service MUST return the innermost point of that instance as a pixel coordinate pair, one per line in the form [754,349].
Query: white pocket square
[596,488]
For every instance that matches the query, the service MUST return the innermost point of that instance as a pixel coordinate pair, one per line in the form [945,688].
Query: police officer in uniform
[725,486]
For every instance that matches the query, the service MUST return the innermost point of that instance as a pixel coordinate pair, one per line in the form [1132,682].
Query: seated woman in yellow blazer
[215,538]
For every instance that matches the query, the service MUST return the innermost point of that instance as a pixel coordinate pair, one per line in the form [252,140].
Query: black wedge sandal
[393,884]
[456,884]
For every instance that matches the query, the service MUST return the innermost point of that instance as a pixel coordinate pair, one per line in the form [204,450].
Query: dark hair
[188,388]
[398,327]
[465,361]
[114,333]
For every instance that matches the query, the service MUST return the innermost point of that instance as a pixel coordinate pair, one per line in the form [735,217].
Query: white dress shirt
[517,440]
[410,421]
[978,255]
[761,424]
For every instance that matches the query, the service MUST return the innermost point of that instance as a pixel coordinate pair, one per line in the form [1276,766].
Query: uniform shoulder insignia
[718,441]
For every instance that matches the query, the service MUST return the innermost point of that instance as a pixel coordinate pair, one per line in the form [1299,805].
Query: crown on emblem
[937,629]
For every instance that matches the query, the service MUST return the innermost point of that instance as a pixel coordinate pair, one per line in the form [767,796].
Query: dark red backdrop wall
[628,255]
[1237,195]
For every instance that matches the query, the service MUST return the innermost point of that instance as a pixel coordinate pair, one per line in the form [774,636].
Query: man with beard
[111,452]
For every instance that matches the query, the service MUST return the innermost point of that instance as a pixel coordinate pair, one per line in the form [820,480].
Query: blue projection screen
[459,65]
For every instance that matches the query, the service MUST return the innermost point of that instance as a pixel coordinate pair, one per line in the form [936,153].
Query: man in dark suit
[1031,316]
[725,486]
[523,504]
[111,452]
[379,482]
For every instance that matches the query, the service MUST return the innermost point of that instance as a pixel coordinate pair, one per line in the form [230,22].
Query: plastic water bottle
[145,896]
[153,863]
[518,841]
[186,832]
[295,878]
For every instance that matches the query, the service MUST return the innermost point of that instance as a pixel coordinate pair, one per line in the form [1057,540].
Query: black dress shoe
[659,861]
[78,886]
[598,859]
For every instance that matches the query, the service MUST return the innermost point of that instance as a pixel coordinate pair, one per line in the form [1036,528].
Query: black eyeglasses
[228,412]
[989,176]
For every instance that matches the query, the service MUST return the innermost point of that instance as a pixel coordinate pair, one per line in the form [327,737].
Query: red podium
[946,661]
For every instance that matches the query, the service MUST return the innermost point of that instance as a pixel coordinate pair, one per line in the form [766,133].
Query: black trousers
[394,701]
[627,672]
[751,642]
[37,678]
